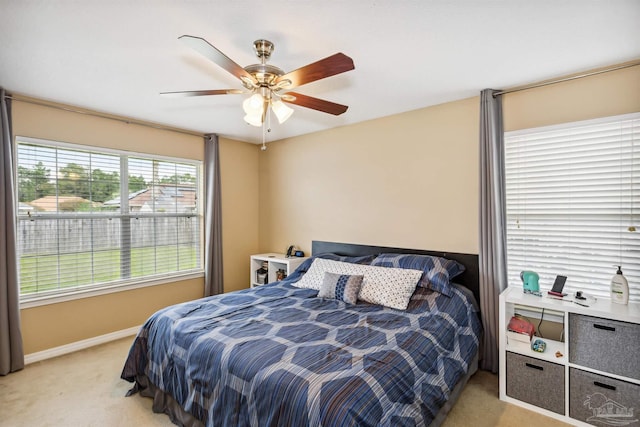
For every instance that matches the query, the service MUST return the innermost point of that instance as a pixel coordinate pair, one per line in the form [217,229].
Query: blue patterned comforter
[277,355]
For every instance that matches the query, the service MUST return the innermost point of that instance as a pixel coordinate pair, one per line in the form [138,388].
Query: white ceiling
[116,56]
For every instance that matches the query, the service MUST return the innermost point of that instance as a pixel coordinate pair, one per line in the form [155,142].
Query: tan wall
[240,210]
[602,95]
[37,121]
[410,180]
[54,325]
[406,180]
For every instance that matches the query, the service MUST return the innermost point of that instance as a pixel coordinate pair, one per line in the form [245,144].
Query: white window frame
[567,234]
[85,291]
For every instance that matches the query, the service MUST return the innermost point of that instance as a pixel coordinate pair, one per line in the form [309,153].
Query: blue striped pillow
[438,271]
[342,287]
[304,267]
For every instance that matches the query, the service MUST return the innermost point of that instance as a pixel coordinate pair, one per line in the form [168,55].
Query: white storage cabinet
[594,379]
[274,262]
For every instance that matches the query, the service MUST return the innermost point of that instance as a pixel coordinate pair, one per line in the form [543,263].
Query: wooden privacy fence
[70,235]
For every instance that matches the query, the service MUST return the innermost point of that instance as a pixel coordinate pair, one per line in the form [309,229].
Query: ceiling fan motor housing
[264,74]
[263,49]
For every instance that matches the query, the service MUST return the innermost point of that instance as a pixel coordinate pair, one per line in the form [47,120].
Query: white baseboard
[79,345]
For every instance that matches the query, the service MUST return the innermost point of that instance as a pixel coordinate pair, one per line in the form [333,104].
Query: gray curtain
[493,243]
[213,278]
[11,353]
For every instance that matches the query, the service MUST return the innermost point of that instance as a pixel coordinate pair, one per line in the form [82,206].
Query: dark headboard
[469,279]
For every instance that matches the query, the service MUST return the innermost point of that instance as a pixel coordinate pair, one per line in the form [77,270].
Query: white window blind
[91,218]
[573,198]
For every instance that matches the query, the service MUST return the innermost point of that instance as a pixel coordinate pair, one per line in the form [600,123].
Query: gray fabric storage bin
[535,381]
[606,345]
[600,400]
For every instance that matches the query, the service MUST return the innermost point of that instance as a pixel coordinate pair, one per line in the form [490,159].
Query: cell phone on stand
[558,285]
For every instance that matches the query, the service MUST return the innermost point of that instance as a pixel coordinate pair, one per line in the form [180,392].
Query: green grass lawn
[48,272]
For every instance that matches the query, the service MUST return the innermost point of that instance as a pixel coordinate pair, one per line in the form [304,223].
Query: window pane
[36,178]
[162,187]
[106,242]
[38,250]
[59,254]
[104,180]
[60,180]
[74,191]
[164,244]
[141,187]
[188,235]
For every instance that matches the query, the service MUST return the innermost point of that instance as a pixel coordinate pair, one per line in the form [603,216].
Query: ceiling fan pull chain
[266,127]
[264,146]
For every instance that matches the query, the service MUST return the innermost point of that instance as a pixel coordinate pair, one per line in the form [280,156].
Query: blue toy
[539,346]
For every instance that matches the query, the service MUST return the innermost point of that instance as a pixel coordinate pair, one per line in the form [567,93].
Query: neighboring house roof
[167,197]
[52,203]
[116,202]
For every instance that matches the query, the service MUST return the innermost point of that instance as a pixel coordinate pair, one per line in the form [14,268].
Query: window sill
[36,301]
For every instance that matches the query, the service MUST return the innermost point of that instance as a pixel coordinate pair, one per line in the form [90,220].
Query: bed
[281,355]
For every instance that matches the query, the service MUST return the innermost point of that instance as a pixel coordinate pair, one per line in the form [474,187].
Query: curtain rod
[566,79]
[101,115]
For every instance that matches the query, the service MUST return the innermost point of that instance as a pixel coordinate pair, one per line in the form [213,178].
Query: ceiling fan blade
[315,103]
[327,67]
[185,93]
[206,49]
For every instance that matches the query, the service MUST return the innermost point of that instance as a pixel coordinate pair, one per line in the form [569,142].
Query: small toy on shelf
[539,346]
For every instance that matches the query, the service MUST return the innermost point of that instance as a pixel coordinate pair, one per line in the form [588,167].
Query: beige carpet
[85,389]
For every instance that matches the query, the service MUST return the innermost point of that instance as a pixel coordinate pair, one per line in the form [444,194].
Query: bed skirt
[164,403]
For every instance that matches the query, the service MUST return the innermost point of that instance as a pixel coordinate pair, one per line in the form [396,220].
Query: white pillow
[391,287]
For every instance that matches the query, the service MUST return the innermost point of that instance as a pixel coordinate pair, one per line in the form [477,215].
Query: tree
[136,183]
[185,178]
[26,187]
[74,181]
[34,183]
[104,186]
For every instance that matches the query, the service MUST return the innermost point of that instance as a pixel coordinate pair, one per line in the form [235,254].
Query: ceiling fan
[269,84]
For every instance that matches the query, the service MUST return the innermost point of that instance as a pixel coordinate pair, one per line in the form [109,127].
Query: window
[93,218]
[573,200]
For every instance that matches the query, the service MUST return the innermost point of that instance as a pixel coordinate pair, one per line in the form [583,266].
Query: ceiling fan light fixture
[254,119]
[281,111]
[253,105]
